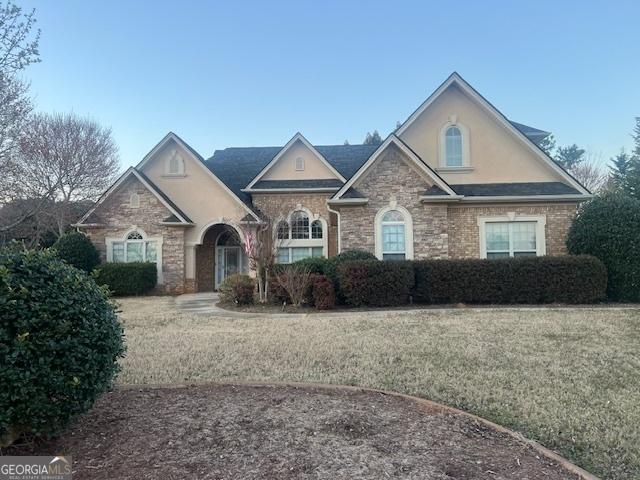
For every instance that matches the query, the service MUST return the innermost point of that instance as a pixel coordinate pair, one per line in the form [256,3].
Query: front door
[228,262]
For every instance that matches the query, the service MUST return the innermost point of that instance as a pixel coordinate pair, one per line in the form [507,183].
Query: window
[393,236]
[511,239]
[302,237]
[299,225]
[175,164]
[134,200]
[283,230]
[299,164]
[134,249]
[394,233]
[453,147]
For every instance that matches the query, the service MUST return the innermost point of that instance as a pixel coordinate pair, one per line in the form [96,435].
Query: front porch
[219,255]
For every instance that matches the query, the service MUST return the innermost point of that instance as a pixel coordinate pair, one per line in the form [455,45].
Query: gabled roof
[394,140]
[199,160]
[237,166]
[513,127]
[298,137]
[177,216]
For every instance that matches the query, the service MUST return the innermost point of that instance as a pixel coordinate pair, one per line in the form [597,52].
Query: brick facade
[464,239]
[119,217]
[277,205]
[394,179]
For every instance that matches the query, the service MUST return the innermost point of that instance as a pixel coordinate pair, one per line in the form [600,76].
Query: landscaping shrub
[59,343]
[608,227]
[315,265]
[375,283]
[296,283]
[324,295]
[76,249]
[567,279]
[237,289]
[135,278]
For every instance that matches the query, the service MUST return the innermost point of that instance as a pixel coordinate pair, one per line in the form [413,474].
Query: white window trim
[466,157]
[145,238]
[408,230]
[305,242]
[167,165]
[540,220]
[134,200]
[299,164]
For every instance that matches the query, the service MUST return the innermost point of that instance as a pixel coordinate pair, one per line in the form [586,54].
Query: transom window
[511,239]
[393,236]
[135,248]
[453,147]
[300,238]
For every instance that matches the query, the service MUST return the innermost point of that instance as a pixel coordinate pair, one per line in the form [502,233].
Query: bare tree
[295,281]
[261,243]
[67,158]
[591,171]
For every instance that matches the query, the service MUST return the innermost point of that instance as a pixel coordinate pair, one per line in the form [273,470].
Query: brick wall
[275,205]
[118,216]
[392,178]
[464,241]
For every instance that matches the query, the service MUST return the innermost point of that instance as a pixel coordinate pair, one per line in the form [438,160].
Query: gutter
[288,190]
[348,201]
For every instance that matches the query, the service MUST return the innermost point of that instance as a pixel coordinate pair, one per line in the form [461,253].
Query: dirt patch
[247,432]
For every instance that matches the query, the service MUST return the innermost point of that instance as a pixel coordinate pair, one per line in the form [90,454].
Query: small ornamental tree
[608,227]
[60,340]
[260,243]
[76,249]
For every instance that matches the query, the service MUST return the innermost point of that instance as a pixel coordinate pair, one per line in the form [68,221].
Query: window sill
[454,169]
[173,175]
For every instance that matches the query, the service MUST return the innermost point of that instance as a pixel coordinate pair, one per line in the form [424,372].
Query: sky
[235,73]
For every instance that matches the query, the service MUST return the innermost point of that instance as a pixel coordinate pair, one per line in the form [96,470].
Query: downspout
[337,212]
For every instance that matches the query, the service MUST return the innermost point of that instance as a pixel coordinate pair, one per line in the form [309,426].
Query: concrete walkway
[203,303]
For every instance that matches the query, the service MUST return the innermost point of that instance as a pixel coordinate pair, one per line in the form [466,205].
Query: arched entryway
[219,256]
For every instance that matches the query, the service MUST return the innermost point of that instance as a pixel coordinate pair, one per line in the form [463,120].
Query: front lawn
[568,378]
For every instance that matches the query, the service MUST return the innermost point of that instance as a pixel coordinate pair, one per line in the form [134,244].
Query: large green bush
[59,343]
[608,227]
[135,278]
[76,249]
[237,290]
[375,283]
[567,279]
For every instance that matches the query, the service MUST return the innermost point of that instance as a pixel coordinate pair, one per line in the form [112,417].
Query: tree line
[52,165]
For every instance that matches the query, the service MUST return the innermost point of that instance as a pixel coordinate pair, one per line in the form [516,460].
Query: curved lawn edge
[428,404]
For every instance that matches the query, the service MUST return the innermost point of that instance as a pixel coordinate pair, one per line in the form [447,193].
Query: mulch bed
[278,432]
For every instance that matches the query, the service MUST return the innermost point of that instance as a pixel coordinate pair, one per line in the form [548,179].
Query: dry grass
[569,378]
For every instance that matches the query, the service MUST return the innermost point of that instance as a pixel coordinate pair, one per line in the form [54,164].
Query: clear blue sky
[234,73]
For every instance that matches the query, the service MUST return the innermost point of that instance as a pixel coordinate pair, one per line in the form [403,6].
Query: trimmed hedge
[237,289]
[531,280]
[135,278]
[374,283]
[324,295]
[60,340]
[76,249]
[608,227]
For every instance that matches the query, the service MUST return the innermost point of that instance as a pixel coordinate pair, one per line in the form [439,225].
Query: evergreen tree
[548,144]
[570,156]
[372,138]
[620,170]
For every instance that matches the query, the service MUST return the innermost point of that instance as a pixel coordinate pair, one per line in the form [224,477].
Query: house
[456,180]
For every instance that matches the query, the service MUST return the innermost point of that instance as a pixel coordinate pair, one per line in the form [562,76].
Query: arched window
[316,229]
[134,200]
[394,234]
[175,164]
[134,248]
[303,237]
[283,230]
[299,225]
[453,147]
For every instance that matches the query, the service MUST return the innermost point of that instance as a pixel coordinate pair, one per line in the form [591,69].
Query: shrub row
[566,279]
[136,278]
